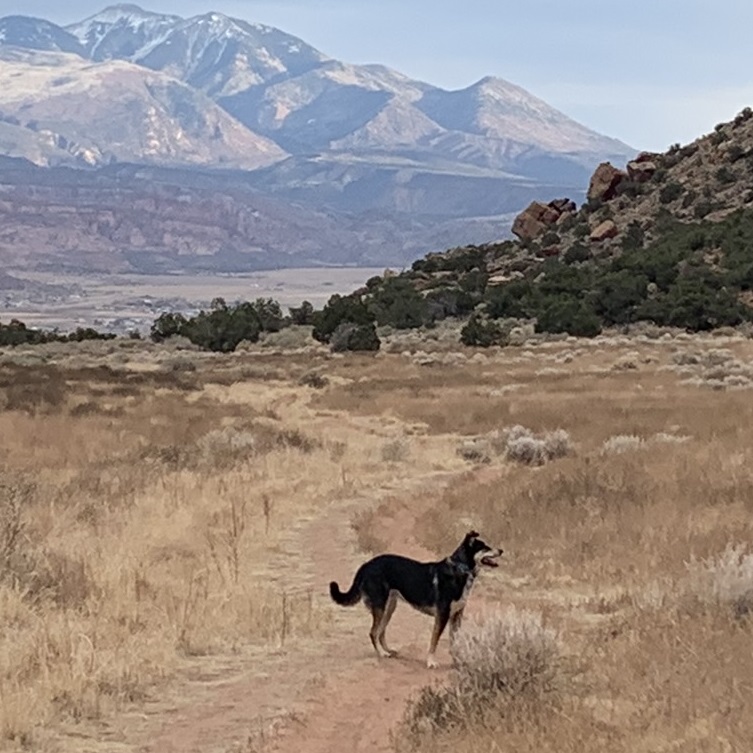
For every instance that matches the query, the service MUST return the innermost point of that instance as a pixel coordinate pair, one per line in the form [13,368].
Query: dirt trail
[326,694]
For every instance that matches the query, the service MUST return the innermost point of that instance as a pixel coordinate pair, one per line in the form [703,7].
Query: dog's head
[475,552]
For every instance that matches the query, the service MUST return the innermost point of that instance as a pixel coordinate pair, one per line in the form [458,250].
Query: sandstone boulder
[605,230]
[563,205]
[533,220]
[604,182]
[640,172]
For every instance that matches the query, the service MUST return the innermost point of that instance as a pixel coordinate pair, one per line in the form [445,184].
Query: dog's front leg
[455,622]
[440,623]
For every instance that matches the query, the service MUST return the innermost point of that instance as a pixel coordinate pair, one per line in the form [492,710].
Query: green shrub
[578,252]
[167,325]
[702,208]
[633,237]
[396,303]
[222,327]
[270,314]
[735,152]
[447,302]
[617,295]
[510,301]
[339,310]
[695,304]
[302,315]
[630,188]
[550,239]
[483,333]
[349,336]
[17,333]
[473,281]
[670,192]
[582,230]
[724,175]
[660,175]
[569,315]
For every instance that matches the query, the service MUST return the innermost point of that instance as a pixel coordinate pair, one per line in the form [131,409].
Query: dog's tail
[353,596]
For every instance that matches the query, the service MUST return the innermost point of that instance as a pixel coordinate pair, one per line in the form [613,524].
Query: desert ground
[170,520]
[123,302]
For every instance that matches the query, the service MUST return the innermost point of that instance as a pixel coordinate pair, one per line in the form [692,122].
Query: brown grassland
[155,506]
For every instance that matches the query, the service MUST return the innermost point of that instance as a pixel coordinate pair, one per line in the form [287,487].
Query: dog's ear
[472,535]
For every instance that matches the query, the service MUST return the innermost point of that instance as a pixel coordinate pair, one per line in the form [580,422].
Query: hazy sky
[648,72]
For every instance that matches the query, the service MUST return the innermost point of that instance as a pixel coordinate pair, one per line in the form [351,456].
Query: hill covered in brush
[668,240]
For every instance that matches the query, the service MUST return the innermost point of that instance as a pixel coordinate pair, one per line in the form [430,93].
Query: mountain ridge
[328,136]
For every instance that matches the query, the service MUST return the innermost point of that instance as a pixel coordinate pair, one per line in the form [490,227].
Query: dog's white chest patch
[456,606]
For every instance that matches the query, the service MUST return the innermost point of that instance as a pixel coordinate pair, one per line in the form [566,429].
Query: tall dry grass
[641,559]
[150,516]
[139,521]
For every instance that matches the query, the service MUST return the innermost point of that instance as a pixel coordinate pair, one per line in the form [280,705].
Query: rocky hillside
[668,238]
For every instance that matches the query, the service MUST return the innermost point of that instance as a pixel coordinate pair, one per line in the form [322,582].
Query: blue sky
[649,73]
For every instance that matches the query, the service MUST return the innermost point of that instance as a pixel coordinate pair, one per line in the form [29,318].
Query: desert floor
[170,520]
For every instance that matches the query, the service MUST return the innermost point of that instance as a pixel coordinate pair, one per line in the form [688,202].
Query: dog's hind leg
[440,623]
[377,615]
[388,612]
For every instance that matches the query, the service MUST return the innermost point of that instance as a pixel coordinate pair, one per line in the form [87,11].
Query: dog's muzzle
[490,560]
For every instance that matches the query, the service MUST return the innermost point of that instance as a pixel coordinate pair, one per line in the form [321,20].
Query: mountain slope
[152,219]
[37,34]
[497,109]
[148,116]
[281,87]
[211,52]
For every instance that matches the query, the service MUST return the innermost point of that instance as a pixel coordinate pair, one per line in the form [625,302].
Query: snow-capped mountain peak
[119,31]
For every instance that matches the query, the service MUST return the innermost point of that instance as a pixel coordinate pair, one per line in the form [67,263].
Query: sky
[649,72]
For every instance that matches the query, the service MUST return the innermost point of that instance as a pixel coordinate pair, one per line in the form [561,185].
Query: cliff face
[149,219]
[143,220]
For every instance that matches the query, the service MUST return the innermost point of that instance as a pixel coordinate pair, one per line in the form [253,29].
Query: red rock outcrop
[605,230]
[604,182]
[537,217]
[641,171]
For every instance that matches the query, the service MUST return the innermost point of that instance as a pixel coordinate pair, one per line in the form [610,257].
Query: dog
[440,589]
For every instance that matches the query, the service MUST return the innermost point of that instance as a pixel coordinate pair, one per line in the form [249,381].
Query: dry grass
[145,510]
[504,662]
[639,551]
[135,544]
[143,504]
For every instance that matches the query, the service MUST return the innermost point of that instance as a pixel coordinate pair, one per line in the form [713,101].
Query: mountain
[37,34]
[666,240]
[211,52]
[129,85]
[120,111]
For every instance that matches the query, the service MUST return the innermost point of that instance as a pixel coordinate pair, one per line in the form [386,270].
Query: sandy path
[324,694]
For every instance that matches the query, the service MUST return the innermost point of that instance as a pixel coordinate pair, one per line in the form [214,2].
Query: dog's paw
[391,653]
[431,662]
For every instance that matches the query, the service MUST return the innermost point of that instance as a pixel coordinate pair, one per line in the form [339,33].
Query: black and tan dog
[436,588]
